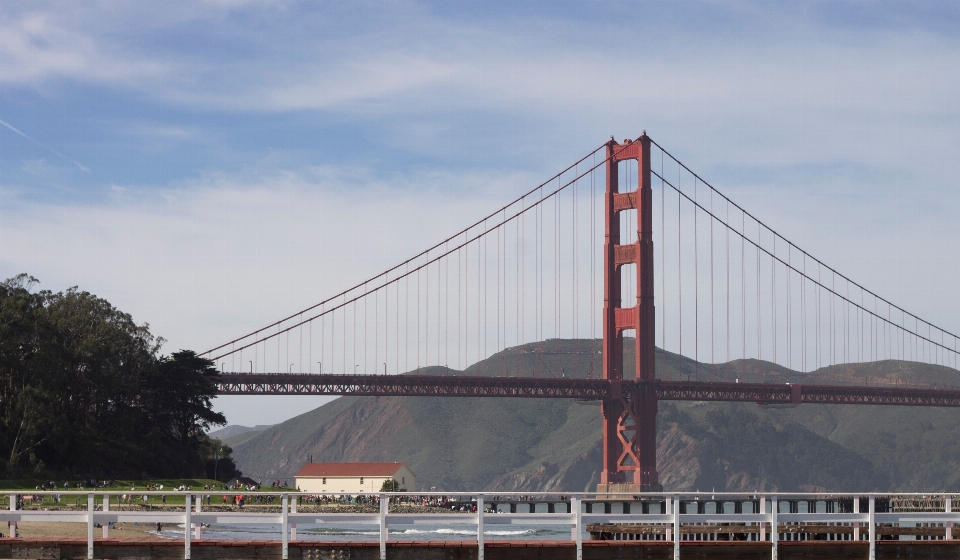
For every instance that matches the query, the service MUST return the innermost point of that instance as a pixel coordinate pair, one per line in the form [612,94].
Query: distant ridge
[230,431]
[495,444]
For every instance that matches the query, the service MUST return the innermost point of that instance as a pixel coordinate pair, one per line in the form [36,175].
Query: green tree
[219,461]
[180,397]
[184,388]
[390,485]
[83,393]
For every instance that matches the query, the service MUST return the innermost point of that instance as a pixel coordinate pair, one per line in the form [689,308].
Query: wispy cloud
[79,165]
[251,145]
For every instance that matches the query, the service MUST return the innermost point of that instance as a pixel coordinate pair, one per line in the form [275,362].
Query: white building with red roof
[353,478]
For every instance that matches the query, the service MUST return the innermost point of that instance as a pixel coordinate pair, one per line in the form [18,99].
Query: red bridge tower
[630,416]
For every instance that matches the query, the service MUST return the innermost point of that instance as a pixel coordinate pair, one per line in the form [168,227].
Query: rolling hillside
[552,444]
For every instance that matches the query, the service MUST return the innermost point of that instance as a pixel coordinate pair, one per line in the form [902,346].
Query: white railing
[577,516]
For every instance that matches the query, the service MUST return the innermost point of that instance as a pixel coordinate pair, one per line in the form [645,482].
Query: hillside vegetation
[552,444]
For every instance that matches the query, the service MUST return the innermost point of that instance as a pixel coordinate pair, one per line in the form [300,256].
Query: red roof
[349,469]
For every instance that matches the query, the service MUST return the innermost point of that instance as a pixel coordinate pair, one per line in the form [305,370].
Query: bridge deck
[585,389]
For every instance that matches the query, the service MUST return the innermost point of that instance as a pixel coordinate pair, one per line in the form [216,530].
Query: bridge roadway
[582,389]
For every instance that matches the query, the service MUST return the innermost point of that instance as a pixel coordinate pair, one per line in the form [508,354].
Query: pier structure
[648,525]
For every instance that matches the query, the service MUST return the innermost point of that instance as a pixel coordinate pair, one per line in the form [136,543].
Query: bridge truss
[569,388]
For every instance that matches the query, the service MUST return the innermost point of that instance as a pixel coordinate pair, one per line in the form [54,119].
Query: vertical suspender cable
[679,280]
[461,304]
[803,317]
[712,359]
[593,251]
[663,259]
[446,312]
[773,297]
[759,333]
[696,288]
[576,263]
[789,311]
[556,264]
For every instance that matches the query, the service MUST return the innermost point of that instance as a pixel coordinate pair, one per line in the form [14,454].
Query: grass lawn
[133,488]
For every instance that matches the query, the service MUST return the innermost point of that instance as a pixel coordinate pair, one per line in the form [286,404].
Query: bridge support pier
[629,417]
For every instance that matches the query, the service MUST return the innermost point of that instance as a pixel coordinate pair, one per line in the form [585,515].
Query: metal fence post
[197,533]
[856,525]
[668,501]
[763,526]
[479,526]
[106,508]
[774,527]
[186,527]
[577,526]
[90,526]
[13,507]
[384,508]
[284,541]
[293,524]
[676,528]
[949,524]
[873,529]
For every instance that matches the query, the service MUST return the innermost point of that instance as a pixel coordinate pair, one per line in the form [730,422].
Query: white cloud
[855,129]
[209,260]
[37,47]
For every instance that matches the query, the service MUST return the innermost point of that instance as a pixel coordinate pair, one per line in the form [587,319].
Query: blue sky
[208,166]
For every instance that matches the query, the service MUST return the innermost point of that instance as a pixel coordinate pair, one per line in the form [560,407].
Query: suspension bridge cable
[774,232]
[415,257]
[844,299]
[419,268]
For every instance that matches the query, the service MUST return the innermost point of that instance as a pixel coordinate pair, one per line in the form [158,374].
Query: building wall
[338,484]
[353,484]
[406,478]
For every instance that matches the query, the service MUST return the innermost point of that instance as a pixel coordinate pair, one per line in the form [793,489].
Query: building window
[361,480]
[324,480]
[404,480]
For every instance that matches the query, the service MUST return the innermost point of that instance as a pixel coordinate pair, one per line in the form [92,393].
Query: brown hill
[547,444]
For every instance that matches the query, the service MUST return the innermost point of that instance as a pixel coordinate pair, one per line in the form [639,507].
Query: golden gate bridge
[592,253]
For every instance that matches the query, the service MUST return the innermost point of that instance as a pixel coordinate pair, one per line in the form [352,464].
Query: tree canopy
[84,391]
